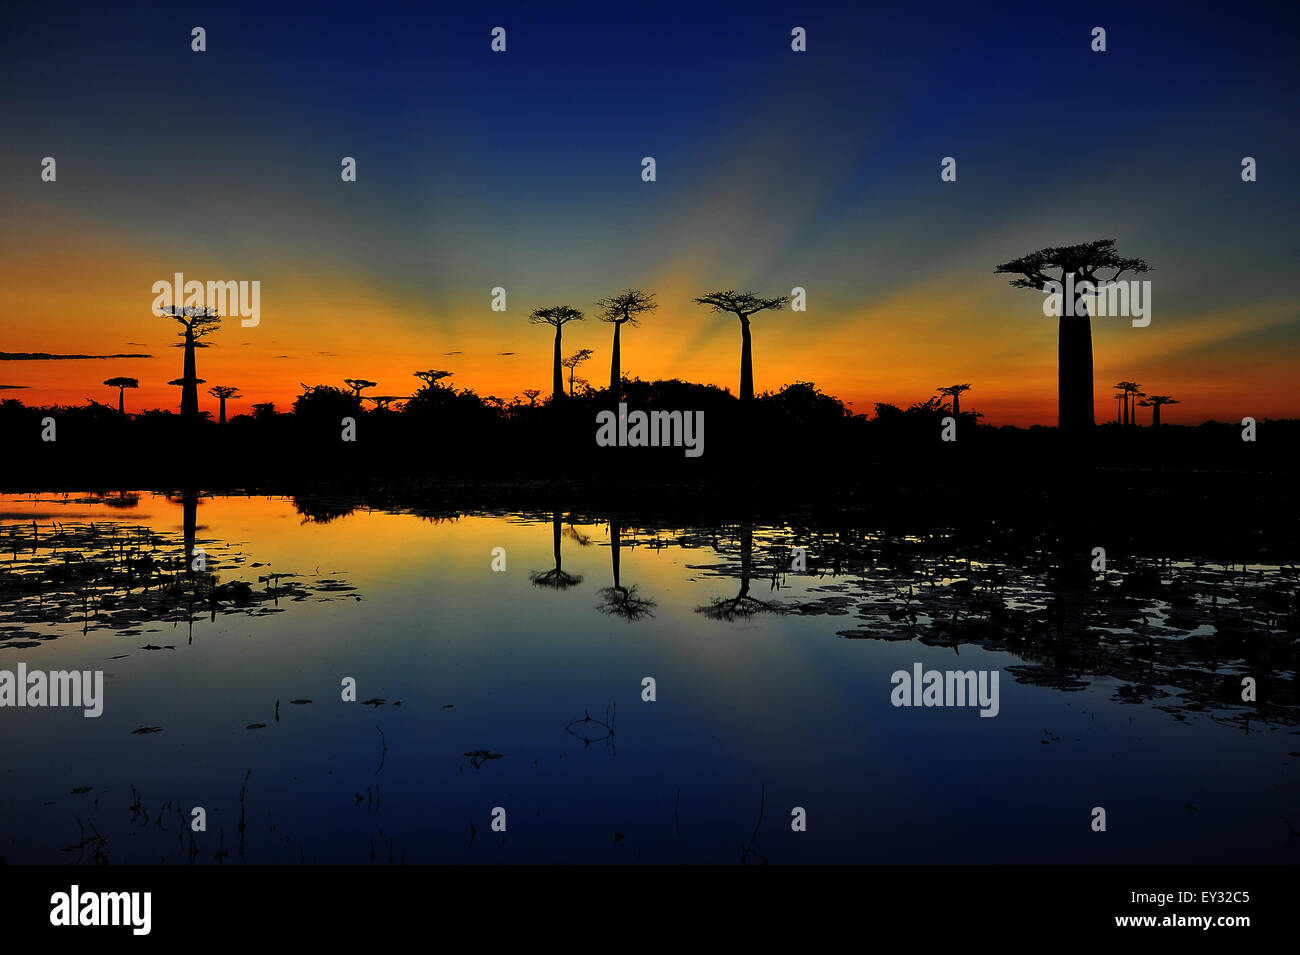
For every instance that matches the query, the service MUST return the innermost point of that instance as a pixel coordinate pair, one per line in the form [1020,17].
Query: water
[500,689]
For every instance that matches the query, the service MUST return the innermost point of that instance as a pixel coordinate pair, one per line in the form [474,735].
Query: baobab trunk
[1074,372]
[557,386]
[190,380]
[1155,416]
[615,371]
[615,544]
[121,401]
[746,362]
[222,417]
[956,408]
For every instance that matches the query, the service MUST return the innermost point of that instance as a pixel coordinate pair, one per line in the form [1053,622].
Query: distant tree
[1129,390]
[743,305]
[383,401]
[223,392]
[572,363]
[531,394]
[432,377]
[1074,332]
[196,324]
[1154,402]
[619,310]
[263,410]
[953,391]
[324,403]
[557,316]
[121,384]
[358,385]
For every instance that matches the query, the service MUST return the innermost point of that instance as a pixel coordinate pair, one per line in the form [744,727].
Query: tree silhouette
[953,391]
[620,601]
[556,579]
[223,392]
[743,305]
[572,363]
[1120,396]
[432,377]
[619,310]
[1154,402]
[358,385]
[531,394]
[265,409]
[557,316]
[121,384]
[383,401]
[196,324]
[1074,332]
[1129,390]
[743,605]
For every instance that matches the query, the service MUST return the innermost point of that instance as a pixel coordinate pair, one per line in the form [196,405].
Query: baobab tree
[619,310]
[222,392]
[953,391]
[556,578]
[556,316]
[383,401]
[121,384]
[743,305]
[531,394]
[1154,402]
[358,385]
[196,324]
[1130,390]
[572,363]
[1074,331]
[1119,404]
[432,377]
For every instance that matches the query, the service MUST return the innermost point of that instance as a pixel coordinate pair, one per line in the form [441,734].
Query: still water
[521,689]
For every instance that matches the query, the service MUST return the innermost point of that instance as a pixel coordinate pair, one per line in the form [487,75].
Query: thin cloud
[46,356]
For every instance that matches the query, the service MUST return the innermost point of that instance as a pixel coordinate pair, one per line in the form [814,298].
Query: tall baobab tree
[358,385]
[572,363]
[1120,395]
[743,305]
[196,324]
[1074,332]
[953,391]
[222,392]
[556,316]
[1154,402]
[121,384]
[619,310]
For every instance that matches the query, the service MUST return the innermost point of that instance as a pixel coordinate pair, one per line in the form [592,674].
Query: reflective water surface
[226,626]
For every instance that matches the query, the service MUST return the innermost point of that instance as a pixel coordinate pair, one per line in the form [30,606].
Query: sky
[774,169]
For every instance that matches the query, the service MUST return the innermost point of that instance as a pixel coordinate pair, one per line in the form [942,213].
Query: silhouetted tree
[556,579]
[223,392]
[432,377]
[1154,402]
[572,363]
[1074,332]
[383,401]
[556,316]
[263,410]
[196,324]
[618,600]
[1129,389]
[121,384]
[743,604]
[358,385]
[531,394]
[743,305]
[953,391]
[619,310]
